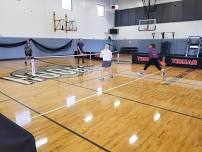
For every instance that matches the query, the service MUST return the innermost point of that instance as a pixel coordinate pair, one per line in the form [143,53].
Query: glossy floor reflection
[124,114]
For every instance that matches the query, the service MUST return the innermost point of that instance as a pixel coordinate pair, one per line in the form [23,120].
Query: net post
[33,68]
[90,58]
[118,56]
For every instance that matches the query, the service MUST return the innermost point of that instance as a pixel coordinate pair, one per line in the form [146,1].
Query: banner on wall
[180,61]
[40,46]
[11,45]
[51,49]
[184,61]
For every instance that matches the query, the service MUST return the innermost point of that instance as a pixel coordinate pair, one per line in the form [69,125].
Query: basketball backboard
[147,25]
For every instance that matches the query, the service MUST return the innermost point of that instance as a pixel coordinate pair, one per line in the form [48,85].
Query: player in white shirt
[106,56]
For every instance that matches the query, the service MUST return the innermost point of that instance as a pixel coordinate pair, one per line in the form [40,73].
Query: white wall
[33,18]
[90,25]
[182,29]
[24,18]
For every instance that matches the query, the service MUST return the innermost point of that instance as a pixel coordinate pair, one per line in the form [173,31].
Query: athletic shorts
[106,64]
[28,54]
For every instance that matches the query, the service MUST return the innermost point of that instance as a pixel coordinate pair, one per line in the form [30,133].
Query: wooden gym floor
[127,114]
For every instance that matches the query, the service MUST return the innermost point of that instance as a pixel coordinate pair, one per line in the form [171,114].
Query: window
[100,10]
[67,4]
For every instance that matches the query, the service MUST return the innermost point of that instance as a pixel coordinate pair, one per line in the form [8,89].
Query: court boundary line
[75,133]
[94,78]
[152,78]
[104,92]
[48,112]
[57,123]
[118,86]
[151,105]
[168,80]
[170,110]
[179,95]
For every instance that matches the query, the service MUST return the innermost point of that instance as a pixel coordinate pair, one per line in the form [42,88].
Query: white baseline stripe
[48,112]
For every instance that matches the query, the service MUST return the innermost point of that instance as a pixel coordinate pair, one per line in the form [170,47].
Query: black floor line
[173,111]
[57,123]
[94,78]
[79,135]
[170,110]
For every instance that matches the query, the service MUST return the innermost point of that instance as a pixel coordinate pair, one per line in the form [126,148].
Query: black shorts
[28,54]
[106,64]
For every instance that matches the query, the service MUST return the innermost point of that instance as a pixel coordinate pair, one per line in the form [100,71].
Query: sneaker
[101,79]
[141,74]
[163,74]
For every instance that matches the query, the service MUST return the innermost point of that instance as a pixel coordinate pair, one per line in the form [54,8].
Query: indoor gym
[51,101]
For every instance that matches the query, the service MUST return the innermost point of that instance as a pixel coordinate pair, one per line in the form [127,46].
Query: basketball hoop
[63,24]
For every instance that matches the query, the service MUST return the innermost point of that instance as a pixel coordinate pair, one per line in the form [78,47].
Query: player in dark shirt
[28,51]
[80,50]
[153,60]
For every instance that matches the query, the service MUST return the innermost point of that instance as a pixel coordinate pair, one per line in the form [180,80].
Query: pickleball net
[90,60]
